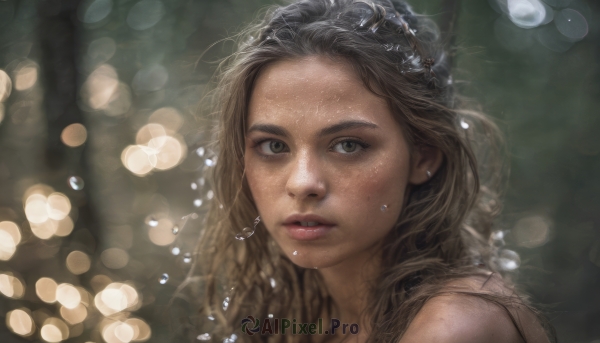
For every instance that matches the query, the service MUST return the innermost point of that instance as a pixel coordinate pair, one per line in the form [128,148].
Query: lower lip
[307,233]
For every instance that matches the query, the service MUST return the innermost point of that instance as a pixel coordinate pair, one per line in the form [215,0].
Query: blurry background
[102,155]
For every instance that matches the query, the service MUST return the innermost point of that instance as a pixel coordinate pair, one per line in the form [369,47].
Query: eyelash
[364,146]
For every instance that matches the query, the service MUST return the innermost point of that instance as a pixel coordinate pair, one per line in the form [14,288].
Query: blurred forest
[102,154]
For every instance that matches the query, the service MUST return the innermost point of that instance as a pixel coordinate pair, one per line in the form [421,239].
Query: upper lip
[294,218]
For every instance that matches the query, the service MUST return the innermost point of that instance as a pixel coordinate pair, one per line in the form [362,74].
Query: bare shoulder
[458,317]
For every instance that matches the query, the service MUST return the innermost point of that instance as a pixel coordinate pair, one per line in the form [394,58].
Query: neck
[349,285]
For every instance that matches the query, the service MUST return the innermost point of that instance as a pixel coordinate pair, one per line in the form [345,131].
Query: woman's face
[320,144]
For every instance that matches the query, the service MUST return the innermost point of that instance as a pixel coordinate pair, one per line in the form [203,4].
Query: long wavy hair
[443,231]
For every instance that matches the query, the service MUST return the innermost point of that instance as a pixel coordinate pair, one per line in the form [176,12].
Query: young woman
[374,188]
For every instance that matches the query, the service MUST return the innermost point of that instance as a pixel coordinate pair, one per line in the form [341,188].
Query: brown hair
[443,231]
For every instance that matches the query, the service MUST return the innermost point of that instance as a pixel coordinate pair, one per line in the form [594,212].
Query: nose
[306,179]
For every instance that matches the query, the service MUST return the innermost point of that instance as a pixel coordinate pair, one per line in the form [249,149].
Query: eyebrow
[345,125]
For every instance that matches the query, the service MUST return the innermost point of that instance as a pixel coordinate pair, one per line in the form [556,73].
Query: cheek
[362,194]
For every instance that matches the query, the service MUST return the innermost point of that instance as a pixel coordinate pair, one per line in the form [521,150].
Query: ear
[425,158]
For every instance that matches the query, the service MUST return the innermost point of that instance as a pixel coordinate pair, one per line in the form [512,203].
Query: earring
[428,174]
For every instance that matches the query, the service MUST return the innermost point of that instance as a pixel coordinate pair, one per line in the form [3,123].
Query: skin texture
[345,177]
[306,172]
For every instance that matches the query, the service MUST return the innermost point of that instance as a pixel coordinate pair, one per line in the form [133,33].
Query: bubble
[464,124]
[204,337]
[273,283]
[225,303]
[145,14]
[163,278]
[230,339]
[187,257]
[571,24]
[200,151]
[246,233]
[270,315]
[509,260]
[10,237]
[194,186]
[497,238]
[198,202]
[94,11]
[76,183]
[102,49]
[210,317]
[150,79]
[175,229]
[209,162]
[526,13]
[384,208]
[175,251]
[210,194]
[295,253]
[151,221]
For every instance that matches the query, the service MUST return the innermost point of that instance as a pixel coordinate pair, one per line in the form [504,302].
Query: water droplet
[384,208]
[210,195]
[464,124]
[526,13]
[509,260]
[273,283]
[571,24]
[200,151]
[76,183]
[198,202]
[175,229]
[187,257]
[226,303]
[230,339]
[295,253]
[246,232]
[151,221]
[204,337]
[194,186]
[270,315]
[209,162]
[163,279]
[210,317]
[175,251]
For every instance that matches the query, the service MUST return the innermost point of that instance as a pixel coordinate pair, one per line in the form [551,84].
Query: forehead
[316,89]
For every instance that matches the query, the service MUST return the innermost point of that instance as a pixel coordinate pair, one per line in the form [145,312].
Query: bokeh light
[20,322]
[116,297]
[68,296]
[74,135]
[78,262]
[114,258]
[54,330]
[26,75]
[5,86]
[45,288]
[11,286]
[10,237]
